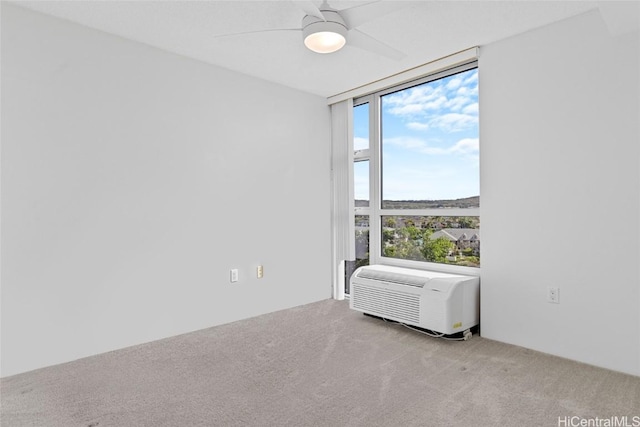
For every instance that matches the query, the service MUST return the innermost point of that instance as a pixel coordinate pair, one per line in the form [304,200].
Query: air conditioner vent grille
[400,279]
[400,306]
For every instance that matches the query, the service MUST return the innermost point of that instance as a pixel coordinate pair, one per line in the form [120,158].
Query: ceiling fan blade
[242,33]
[363,41]
[361,14]
[308,7]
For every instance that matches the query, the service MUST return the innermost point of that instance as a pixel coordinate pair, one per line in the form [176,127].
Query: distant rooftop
[455,234]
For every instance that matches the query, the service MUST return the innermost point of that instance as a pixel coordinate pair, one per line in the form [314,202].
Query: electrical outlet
[260,272]
[553,295]
[234,275]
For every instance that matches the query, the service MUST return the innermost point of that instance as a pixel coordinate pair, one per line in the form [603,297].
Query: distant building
[463,238]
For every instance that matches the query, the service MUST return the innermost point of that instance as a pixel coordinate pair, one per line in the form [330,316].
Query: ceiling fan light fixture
[324,36]
[325,42]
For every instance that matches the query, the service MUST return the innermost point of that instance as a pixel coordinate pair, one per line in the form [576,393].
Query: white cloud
[453,122]
[407,142]
[467,91]
[415,101]
[471,109]
[407,110]
[466,146]
[416,145]
[420,94]
[472,78]
[417,106]
[449,107]
[454,83]
[458,102]
[463,91]
[417,126]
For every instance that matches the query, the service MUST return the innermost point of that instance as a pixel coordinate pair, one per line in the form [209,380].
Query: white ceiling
[424,30]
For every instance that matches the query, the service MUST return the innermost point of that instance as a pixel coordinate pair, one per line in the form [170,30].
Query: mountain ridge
[463,203]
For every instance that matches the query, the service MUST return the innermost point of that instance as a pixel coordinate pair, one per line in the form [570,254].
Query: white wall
[134,179]
[560,160]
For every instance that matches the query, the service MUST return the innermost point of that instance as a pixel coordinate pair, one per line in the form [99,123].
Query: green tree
[413,233]
[436,250]
[465,222]
[388,236]
[402,243]
[467,251]
[407,243]
[389,251]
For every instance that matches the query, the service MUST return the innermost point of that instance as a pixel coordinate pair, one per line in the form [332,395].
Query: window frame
[374,155]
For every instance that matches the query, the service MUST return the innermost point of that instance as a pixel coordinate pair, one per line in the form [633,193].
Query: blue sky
[429,141]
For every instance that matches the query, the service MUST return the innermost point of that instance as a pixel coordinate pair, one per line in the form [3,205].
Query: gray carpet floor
[320,364]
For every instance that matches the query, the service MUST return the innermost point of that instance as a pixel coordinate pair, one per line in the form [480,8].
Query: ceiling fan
[326,30]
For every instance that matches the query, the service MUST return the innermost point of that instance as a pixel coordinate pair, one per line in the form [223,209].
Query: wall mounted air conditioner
[439,302]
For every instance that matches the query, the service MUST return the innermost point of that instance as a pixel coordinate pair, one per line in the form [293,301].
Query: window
[416,173]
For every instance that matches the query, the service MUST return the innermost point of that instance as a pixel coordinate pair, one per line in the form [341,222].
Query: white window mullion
[375,228]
